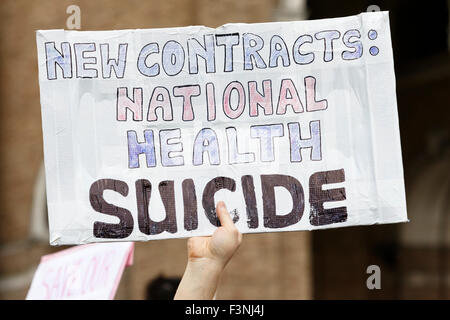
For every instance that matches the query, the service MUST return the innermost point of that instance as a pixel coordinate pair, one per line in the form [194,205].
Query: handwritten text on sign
[145,129]
[83,272]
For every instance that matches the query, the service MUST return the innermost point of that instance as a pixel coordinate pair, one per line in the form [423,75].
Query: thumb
[224,216]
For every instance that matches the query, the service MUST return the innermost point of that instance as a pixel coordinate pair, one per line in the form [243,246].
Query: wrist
[212,266]
[200,280]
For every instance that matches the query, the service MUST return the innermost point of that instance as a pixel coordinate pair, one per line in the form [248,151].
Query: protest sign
[91,271]
[292,124]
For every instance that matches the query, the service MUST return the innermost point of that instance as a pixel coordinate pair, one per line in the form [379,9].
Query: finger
[224,216]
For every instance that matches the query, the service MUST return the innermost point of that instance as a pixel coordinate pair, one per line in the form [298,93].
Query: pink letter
[311,103]
[265,101]
[288,87]
[187,92]
[124,103]
[230,112]
[164,103]
[211,101]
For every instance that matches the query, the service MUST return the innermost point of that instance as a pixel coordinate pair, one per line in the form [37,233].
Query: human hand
[221,246]
[207,257]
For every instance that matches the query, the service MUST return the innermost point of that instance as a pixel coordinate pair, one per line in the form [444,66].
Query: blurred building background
[414,258]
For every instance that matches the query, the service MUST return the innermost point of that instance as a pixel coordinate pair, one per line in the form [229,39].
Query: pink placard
[90,271]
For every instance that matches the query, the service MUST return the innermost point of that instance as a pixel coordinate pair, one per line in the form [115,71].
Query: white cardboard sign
[91,271]
[293,124]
